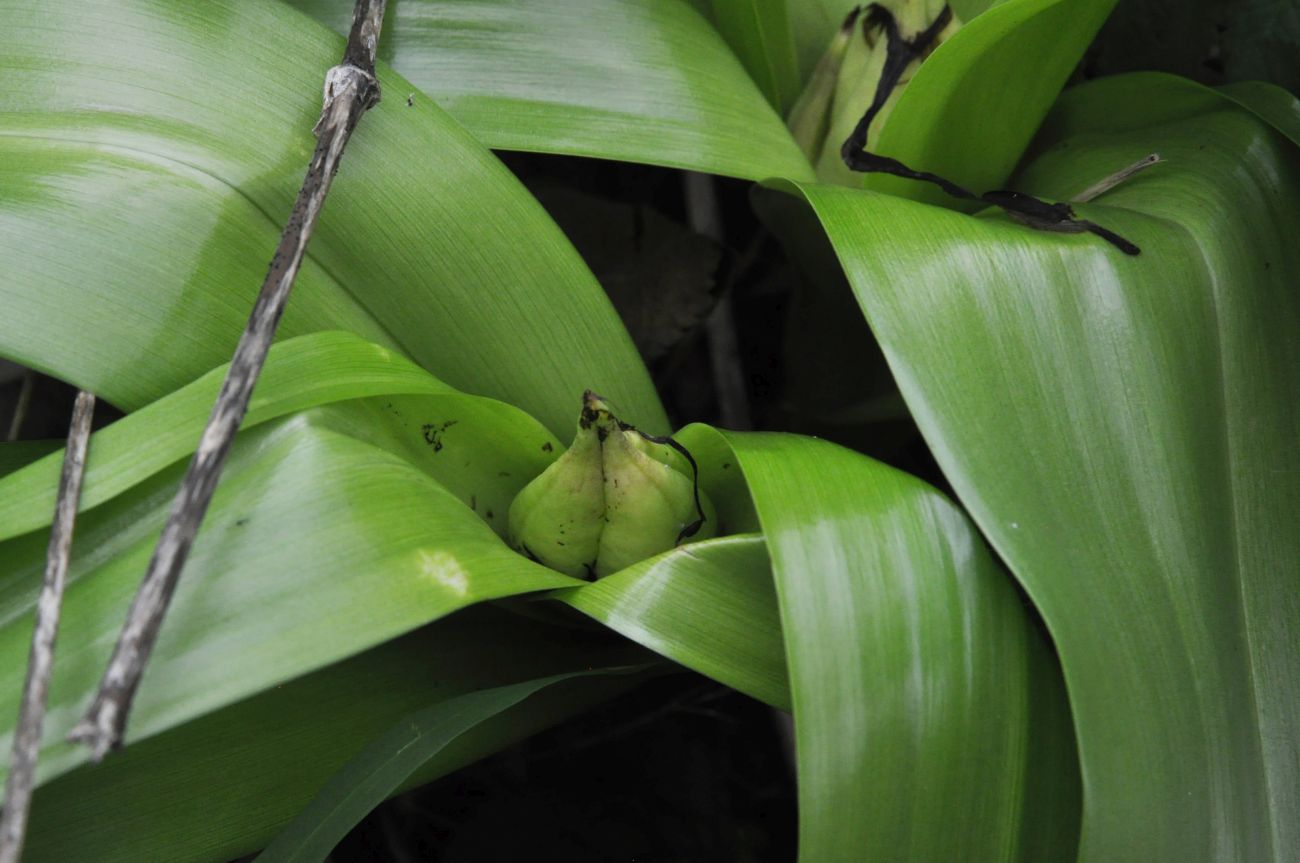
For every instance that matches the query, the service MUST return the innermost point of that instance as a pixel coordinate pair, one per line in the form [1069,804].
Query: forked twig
[31,714]
[350,89]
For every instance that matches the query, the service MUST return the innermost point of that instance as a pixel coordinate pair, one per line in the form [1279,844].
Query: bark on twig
[1101,187]
[350,89]
[31,714]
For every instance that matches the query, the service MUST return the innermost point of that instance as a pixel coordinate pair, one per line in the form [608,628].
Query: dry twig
[31,714]
[350,89]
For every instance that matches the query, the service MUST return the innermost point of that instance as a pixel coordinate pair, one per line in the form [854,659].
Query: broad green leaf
[317,545]
[389,761]
[1123,430]
[913,667]
[972,107]
[150,151]
[1273,105]
[492,449]
[759,32]
[900,633]
[636,80]
[223,785]
[707,605]
[300,373]
[812,24]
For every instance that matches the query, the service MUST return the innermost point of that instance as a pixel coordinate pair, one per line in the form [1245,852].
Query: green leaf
[708,605]
[18,454]
[1273,105]
[899,631]
[912,666]
[1122,429]
[759,32]
[149,153]
[972,107]
[317,545]
[812,24]
[224,785]
[388,761]
[636,80]
[300,373]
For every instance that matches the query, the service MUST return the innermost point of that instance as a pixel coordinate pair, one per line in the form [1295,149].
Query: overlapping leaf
[709,606]
[149,152]
[931,723]
[1123,430]
[223,785]
[334,528]
[972,107]
[759,33]
[637,80]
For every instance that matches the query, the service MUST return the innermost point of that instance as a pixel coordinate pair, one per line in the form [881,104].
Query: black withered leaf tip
[899,54]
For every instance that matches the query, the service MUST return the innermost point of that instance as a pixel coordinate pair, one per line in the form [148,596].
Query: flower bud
[843,84]
[613,498]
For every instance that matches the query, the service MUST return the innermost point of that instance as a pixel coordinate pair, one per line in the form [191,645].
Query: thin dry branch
[31,714]
[1101,187]
[350,89]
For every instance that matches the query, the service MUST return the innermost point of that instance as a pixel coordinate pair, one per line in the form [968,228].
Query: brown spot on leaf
[433,433]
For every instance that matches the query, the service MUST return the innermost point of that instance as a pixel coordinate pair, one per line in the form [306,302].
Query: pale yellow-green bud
[612,499]
[844,84]
[810,115]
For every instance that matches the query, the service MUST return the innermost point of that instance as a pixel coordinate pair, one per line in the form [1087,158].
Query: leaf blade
[1093,412]
[645,81]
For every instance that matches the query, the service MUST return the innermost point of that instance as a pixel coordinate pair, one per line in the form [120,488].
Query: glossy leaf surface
[1122,430]
[931,721]
[300,373]
[333,529]
[709,606]
[150,151]
[759,33]
[913,667]
[636,80]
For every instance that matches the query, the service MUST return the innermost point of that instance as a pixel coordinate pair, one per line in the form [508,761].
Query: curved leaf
[708,605]
[1275,106]
[148,152]
[1123,429]
[317,545]
[497,448]
[636,80]
[759,32]
[223,785]
[911,668]
[920,688]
